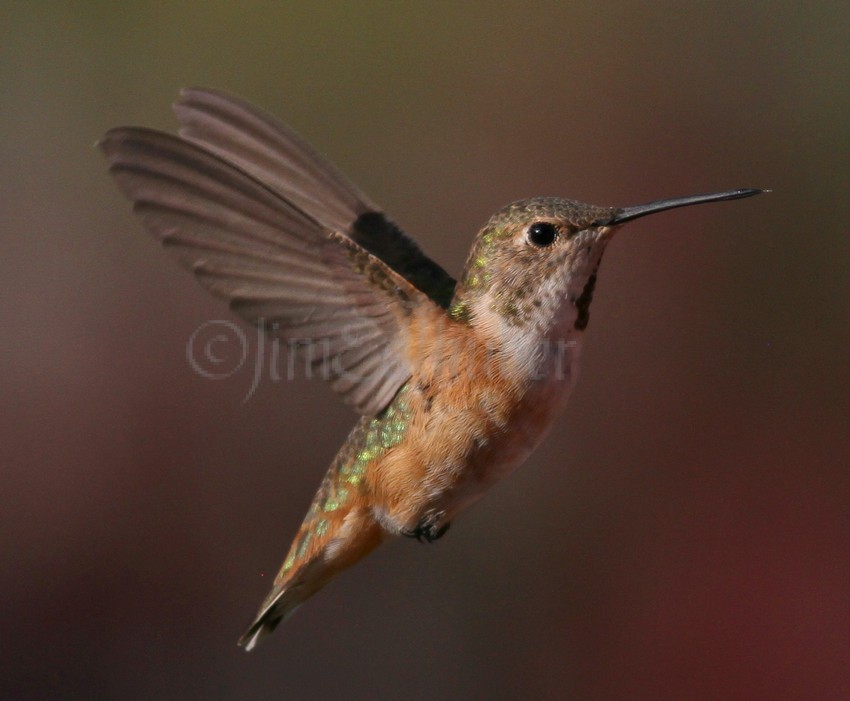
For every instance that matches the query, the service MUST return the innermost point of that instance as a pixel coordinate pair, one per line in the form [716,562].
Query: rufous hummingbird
[456,382]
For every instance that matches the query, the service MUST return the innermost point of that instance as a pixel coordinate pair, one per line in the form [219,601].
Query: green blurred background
[684,532]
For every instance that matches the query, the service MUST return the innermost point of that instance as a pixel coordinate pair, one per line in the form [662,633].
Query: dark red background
[683,534]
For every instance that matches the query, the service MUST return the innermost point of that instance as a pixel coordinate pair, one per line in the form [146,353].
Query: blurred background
[684,532]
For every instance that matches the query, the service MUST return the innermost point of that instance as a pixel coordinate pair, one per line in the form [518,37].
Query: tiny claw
[426,530]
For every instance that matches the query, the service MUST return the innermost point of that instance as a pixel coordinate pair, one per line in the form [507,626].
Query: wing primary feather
[265,222]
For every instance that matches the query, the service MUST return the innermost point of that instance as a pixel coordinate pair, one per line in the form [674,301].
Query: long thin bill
[641,210]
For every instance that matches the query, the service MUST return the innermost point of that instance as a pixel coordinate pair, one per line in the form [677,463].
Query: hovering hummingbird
[456,382]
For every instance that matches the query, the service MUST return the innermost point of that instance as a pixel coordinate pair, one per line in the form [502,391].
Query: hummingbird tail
[259,630]
[326,544]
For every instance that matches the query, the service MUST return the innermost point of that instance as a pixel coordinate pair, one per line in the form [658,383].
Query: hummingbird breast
[474,412]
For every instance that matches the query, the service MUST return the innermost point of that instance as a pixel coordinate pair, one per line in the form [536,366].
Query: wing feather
[271,152]
[340,306]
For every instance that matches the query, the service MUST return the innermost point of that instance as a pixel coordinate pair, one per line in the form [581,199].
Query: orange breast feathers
[459,399]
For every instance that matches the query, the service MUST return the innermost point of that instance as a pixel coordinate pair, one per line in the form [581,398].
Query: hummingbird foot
[427,530]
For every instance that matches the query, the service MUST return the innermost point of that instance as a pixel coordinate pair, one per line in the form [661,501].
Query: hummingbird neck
[531,347]
[534,322]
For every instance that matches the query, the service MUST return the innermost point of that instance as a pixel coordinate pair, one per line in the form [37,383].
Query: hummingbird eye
[542,233]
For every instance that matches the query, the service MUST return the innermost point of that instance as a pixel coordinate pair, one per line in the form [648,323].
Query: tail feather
[259,630]
[323,548]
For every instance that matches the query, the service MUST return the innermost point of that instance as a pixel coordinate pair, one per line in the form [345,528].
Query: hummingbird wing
[274,154]
[335,302]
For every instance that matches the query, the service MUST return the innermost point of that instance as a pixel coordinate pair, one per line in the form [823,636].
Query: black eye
[542,233]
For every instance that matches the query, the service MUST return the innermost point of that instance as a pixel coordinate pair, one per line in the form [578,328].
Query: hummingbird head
[533,265]
[530,260]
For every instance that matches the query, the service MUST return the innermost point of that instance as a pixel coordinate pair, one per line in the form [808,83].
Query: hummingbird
[456,382]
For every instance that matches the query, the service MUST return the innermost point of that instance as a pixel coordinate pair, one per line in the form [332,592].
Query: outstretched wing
[275,263]
[271,152]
